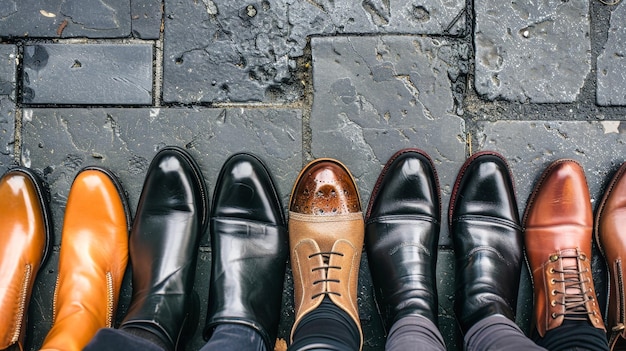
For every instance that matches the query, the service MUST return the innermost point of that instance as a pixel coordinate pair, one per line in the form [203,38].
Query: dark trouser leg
[326,328]
[497,332]
[574,335]
[234,337]
[414,330]
[119,340]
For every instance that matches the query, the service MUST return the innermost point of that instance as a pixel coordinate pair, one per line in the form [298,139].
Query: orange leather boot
[326,231]
[610,236]
[92,261]
[25,229]
[558,228]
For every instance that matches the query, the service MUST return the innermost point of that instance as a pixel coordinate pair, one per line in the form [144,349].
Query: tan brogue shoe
[92,261]
[610,234]
[25,235]
[558,229]
[326,230]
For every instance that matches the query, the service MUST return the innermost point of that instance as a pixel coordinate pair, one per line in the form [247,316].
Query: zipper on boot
[22,304]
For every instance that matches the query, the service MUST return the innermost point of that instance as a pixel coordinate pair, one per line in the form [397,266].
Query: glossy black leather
[401,237]
[249,249]
[487,238]
[171,217]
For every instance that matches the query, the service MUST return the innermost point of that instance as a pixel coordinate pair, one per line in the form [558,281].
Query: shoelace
[575,297]
[326,266]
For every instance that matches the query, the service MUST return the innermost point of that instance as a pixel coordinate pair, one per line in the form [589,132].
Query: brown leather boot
[26,228]
[558,226]
[326,232]
[92,261]
[610,234]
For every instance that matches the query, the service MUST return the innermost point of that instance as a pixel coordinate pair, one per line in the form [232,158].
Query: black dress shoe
[249,249]
[171,217]
[401,237]
[487,237]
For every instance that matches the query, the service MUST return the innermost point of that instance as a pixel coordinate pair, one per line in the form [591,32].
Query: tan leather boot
[610,233]
[326,230]
[558,228]
[25,236]
[92,261]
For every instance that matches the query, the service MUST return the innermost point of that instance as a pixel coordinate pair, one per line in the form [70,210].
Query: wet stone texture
[146,18]
[65,18]
[532,51]
[8,54]
[58,143]
[219,50]
[531,146]
[374,96]
[611,62]
[88,74]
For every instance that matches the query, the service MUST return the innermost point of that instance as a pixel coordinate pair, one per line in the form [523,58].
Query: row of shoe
[325,235]
[95,249]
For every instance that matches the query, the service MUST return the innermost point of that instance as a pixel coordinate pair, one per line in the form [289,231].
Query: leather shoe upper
[326,231]
[485,230]
[26,229]
[92,260]
[401,237]
[611,239]
[558,228]
[170,219]
[249,249]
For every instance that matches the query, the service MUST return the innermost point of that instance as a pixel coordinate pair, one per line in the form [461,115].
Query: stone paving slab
[219,50]
[529,51]
[59,142]
[104,74]
[376,95]
[146,18]
[65,18]
[611,75]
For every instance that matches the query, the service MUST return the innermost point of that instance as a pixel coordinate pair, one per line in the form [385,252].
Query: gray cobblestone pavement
[109,82]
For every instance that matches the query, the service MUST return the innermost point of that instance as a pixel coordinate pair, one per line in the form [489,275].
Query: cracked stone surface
[611,76]
[7,105]
[532,51]
[65,18]
[88,74]
[374,96]
[59,142]
[217,50]
[530,146]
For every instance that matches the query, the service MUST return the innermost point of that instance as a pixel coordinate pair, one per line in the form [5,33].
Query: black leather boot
[171,217]
[487,236]
[249,249]
[401,237]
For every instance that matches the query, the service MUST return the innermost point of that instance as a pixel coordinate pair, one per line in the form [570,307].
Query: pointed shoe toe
[249,249]
[401,237]
[170,219]
[25,224]
[487,239]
